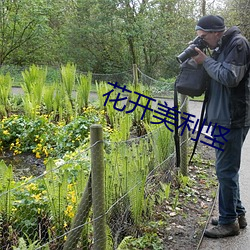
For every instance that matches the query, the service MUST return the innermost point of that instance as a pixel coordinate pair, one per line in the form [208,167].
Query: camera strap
[200,123]
[176,134]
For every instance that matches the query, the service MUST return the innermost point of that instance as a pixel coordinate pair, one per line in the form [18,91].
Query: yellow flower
[38,156]
[73,199]
[45,151]
[69,211]
[31,187]
[37,196]
[14,209]
[6,132]
[16,152]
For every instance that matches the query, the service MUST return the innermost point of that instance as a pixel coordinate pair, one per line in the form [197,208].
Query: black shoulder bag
[192,81]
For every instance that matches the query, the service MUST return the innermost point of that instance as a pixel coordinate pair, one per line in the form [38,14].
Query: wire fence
[41,210]
[122,78]
[56,210]
[160,87]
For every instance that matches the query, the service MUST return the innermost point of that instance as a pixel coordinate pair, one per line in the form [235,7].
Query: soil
[25,164]
[187,222]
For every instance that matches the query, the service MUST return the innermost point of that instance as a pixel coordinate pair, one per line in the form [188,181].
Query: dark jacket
[229,89]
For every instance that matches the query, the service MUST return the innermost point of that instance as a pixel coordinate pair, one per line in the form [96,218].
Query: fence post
[98,195]
[184,139]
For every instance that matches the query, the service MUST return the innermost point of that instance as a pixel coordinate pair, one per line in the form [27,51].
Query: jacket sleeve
[230,70]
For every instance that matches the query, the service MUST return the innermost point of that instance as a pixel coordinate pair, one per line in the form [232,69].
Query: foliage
[30,204]
[139,113]
[83,90]
[56,184]
[102,90]
[46,205]
[236,13]
[22,23]
[126,170]
[51,200]
[68,74]
[5,89]
[107,36]
[6,184]
[22,245]
[48,98]
[44,138]
[147,241]
[34,81]
[16,71]
[162,141]
[55,100]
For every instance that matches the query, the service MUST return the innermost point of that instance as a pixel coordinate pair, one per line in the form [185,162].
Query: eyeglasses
[203,36]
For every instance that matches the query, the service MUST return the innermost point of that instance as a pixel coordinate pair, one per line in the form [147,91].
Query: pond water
[24,165]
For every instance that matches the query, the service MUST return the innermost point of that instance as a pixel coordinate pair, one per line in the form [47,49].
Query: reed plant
[34,80]
[5,90]
[126,172]
[62,106]
[122,124]
[48,97]
[137,179]
[138,112]
[83,90]
[56,184]
[162,141]
[6,184]
[102,89]
[68,75]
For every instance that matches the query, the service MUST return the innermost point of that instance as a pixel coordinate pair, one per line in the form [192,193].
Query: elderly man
[229,106]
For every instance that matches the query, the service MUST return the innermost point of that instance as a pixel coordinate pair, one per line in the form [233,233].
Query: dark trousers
[227,170]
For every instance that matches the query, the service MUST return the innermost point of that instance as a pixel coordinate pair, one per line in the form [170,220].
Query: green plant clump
[44,138]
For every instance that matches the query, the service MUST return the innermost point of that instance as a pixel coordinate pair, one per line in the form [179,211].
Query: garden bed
[151,205]
[25,164]
[178,221]
[186,224]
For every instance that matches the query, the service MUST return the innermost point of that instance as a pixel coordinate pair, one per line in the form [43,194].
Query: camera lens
[187,53]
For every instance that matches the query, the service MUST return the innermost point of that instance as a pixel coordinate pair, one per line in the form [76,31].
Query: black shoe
[241,219]
[221,231]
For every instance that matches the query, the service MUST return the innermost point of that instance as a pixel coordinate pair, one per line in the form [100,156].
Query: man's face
[211,38]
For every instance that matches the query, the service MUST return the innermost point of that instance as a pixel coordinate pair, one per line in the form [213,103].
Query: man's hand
[200,58]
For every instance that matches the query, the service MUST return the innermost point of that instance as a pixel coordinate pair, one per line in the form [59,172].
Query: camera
[190,51]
